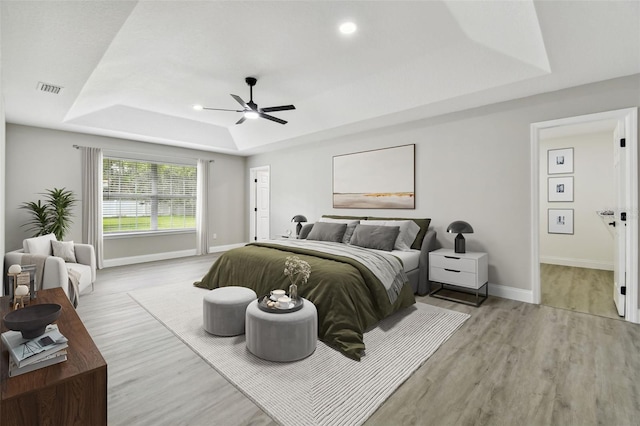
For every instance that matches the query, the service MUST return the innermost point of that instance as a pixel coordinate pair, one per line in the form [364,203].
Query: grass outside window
[143,223]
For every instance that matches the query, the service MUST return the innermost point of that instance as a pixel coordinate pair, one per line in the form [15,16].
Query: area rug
[326,388]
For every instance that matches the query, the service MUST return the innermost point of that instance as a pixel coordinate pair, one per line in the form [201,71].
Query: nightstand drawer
[453,262]
[455,277]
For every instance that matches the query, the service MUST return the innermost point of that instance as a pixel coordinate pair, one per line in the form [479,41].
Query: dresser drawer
[453,262]
[448,276]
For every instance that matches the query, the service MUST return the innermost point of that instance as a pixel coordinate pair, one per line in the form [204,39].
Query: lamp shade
[459,227]
[299,218]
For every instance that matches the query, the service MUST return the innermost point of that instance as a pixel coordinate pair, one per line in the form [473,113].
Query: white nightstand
[461,270]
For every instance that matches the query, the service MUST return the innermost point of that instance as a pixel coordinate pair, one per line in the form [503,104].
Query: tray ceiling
[134,69]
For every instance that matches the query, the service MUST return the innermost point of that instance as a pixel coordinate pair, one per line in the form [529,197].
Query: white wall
[591,245]
[2,163]
[39,159]
[473,165]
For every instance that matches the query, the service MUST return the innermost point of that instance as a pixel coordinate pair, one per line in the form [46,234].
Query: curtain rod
[144,153]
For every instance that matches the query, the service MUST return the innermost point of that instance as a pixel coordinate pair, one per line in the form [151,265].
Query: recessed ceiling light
[198,107]
[348,28]
[252,115]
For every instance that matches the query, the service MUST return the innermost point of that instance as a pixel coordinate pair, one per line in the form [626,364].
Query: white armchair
[56,270]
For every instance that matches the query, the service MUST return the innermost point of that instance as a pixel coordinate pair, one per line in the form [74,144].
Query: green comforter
[349,299]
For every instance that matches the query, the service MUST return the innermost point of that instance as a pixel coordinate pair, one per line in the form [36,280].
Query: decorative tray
[295,305]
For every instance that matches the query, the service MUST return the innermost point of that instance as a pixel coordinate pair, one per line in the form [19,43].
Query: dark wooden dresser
[73,392]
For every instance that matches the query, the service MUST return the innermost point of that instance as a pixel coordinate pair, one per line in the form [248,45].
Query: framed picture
[561,221]
[560,189]
[560,161]
[379,179]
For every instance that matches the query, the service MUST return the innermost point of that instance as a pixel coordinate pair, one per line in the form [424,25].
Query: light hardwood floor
[511,363]
[578,289]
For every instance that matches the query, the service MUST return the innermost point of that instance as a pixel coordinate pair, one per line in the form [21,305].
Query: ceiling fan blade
[240,101]
[278,108]
[220,109]
[241,120]
[272,118]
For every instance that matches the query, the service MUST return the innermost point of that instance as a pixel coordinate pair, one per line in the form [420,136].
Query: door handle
[612,224]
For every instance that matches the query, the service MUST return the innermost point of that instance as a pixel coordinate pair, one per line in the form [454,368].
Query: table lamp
[298,218]
[459,227]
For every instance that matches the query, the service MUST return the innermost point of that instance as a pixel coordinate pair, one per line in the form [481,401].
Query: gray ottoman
[223,310]
[282,337]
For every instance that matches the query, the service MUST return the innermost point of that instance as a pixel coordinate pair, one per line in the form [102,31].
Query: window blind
[139,196]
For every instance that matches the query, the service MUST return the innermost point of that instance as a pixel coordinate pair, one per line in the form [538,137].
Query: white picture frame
[560,161]
[560,221]
[560,189]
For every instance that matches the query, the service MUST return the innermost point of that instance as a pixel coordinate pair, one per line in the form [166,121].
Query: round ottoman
[282,337]
[223,310]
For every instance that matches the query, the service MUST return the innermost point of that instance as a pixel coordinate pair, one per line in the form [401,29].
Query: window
[142,196]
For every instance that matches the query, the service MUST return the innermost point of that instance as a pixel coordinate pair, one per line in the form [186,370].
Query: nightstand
[462,272]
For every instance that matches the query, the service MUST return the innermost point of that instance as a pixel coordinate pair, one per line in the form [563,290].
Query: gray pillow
[351,225]
[306,228]
[375,237]
[323,231]
[65,250]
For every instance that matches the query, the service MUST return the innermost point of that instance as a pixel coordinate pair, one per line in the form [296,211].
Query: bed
[346,285]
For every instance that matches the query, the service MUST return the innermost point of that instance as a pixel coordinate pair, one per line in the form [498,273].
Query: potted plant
[52,216]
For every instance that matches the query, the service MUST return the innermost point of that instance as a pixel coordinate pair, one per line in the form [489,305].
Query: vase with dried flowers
[298,272]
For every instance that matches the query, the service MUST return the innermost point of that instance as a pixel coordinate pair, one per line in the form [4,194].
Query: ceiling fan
[250,109]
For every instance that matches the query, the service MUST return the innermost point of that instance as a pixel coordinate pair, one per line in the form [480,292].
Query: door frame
[253,173]
[630,118]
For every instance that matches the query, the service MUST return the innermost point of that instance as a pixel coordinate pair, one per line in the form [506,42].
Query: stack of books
[26,355]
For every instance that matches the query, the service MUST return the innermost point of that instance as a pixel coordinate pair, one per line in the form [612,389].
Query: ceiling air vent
[49,88]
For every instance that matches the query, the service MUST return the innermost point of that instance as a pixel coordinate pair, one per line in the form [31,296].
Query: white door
[619,257]
[262,205]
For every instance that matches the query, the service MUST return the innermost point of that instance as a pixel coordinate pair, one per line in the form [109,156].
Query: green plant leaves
[54,216]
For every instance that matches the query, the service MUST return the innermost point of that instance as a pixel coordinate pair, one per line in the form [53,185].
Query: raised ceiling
[134,69]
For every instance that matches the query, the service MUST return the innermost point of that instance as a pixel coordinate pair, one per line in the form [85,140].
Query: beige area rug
[326,388]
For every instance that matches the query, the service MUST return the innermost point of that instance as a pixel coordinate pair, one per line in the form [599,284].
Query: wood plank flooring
[510,363]
[578,289]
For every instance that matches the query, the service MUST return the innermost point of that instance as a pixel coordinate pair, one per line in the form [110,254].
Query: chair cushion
[39,245]
[65,250]
[85,275]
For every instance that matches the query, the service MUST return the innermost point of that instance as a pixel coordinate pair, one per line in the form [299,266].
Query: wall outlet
[215,236]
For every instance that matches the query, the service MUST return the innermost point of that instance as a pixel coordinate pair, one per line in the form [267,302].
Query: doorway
[577,258]
[259,203]
[552,195]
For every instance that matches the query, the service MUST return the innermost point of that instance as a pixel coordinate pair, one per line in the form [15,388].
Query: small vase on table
[293,292]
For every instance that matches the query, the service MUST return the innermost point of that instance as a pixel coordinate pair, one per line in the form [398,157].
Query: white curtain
[202,224]
[92,200]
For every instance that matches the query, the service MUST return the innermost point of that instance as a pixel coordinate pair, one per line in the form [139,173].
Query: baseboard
[577,263]
[512,293]
[121,261]
[218,249]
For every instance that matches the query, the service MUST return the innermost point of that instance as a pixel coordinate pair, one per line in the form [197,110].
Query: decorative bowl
[33,320]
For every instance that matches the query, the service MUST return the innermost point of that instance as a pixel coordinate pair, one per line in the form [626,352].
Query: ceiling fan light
[198,107]
[348,28]
[252,115]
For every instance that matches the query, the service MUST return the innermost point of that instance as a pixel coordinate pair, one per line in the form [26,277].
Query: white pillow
[65,250]
[39,245]
[351,226]
[408,231]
